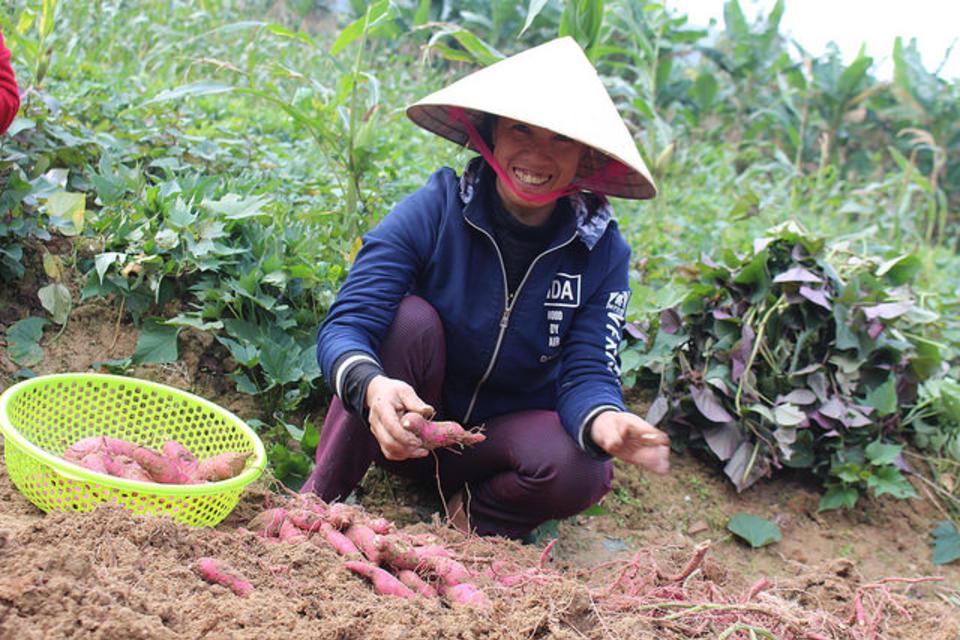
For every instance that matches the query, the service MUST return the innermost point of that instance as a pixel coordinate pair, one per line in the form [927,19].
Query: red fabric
[9,92]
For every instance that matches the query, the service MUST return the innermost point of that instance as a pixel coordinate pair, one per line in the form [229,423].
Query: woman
[497,298]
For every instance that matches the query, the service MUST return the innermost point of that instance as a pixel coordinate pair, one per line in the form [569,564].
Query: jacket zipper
[508,302]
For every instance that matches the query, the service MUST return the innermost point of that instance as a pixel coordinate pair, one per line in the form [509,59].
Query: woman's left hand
[632,439]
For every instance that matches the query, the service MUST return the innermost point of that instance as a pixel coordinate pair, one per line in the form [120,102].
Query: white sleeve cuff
[345,366]
[590,416]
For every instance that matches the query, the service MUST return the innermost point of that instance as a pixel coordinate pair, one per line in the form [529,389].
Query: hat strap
[611,169]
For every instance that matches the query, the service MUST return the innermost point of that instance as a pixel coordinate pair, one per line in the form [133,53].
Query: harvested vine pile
[110,574]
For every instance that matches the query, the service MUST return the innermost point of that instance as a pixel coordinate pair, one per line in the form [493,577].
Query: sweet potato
[186,461]
[416,583]
[223,466]
[267,523]
[383,582]
[340,543]
[366,540]
[124,467]
[305,520]
[465,594]
[97,444]
[161,469]
[434,435]
[450,572]
[84,447]
[290,533]
[95,462]
[213,571]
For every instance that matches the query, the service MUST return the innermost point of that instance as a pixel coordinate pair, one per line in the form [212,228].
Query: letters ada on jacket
[552,346]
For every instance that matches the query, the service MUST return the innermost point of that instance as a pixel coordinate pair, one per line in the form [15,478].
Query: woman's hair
[485,129]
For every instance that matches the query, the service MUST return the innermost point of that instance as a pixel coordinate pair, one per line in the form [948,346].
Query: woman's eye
[522,128]
[563,139]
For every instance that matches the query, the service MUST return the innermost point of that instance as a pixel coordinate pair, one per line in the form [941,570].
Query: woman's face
[537,160]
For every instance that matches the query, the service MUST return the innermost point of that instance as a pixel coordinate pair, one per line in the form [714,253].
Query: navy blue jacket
[552,346]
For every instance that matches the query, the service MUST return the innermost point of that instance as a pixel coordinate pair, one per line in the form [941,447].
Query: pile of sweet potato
[397,564]
[174,464]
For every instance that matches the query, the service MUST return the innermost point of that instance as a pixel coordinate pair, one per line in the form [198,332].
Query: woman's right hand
[388,400]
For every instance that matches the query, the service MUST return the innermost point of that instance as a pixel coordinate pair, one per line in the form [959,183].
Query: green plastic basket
[41,417]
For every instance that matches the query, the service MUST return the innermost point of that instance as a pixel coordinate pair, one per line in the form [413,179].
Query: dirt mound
[110,574]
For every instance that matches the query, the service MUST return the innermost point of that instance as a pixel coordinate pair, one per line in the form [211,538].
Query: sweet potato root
[124,467]
[384,583]
[366,540]
[223,466]
[465,594]
[434,435]
[416,583]
[340,543]
[213,571]
[161,468]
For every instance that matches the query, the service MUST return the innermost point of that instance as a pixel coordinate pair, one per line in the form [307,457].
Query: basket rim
[74,471]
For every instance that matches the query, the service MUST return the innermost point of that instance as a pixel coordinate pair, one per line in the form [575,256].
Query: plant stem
[756,348]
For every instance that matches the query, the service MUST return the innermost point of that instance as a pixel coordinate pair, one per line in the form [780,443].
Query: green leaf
[879,453]
[946,546]
[69,209]
[884,397]
[536,6]
[375,12]
[23,341]
[194,89]
[838,497]
[157,343]
[55,298]
[310,439]
[103,261]
[233,207]
[889,480]
[757,531]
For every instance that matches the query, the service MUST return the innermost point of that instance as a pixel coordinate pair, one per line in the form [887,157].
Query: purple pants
[527,471]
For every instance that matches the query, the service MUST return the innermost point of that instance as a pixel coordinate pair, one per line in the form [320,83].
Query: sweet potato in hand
[434,435]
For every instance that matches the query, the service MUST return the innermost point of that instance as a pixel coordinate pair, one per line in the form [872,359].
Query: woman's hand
[388,399]
[632,439]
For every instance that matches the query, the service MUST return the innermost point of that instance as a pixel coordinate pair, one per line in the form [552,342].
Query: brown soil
[108,574]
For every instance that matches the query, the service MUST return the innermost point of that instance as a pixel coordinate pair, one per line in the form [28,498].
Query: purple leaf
[875,329]
[633,330]
[797,274]
[817,417]
[833,408]
[810,368]
[658,410]
[798,396]
[741,352]
[723,440]
[722,314]
[854,419]
[887,310]
[669,321]
[902,464]
[709,406]
[707,260]
[739,468]
[816,296]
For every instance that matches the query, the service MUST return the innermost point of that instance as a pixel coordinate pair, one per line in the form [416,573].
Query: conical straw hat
[553,86]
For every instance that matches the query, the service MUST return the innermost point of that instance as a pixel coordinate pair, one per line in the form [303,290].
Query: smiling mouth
[531,178]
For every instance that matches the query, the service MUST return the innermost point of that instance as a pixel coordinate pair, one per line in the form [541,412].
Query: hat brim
[628,183]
